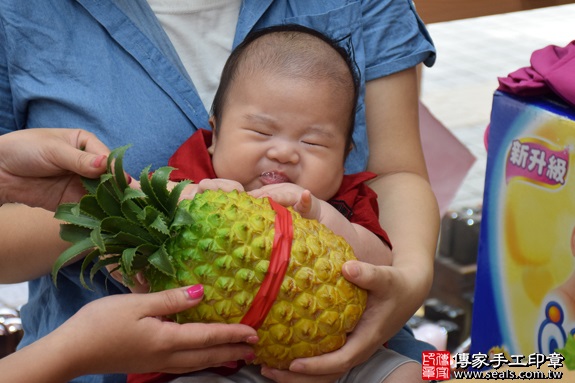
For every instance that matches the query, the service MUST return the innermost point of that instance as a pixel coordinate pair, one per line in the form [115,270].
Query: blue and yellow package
[525,285]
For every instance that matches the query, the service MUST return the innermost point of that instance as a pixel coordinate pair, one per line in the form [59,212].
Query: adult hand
[40,167]
[125,334]
[384,285]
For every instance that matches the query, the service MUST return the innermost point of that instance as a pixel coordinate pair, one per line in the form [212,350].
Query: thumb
[172,301]
[366,275]
[83,163]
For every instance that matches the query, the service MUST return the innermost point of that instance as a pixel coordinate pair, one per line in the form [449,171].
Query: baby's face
[276,129]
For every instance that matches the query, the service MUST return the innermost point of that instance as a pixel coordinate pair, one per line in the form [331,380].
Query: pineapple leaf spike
[114,223]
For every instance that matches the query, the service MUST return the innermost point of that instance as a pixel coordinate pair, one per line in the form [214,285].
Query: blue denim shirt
[108,67]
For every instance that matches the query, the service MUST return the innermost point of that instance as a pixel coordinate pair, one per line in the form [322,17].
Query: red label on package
[535,161]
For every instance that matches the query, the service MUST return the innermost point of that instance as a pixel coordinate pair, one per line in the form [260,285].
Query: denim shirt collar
[133,25]
[250,12]
[127,22]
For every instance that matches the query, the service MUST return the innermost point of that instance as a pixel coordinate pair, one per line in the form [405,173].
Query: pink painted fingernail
[252,339]
[250,357]
[97,162]
[195,291]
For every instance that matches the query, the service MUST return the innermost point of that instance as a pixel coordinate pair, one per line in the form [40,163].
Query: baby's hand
[208,184]
[219,184]
[288,194]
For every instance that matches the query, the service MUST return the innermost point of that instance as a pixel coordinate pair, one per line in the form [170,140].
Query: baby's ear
[212,147]
[212,122]
[348,150]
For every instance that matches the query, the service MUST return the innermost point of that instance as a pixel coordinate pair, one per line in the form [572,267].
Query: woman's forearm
[410,215]
[30,242]
[42,361]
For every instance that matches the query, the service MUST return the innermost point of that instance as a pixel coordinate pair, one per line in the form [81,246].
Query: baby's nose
[284,153]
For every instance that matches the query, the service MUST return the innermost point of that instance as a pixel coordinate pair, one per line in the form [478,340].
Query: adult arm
[408,207]
[123,334]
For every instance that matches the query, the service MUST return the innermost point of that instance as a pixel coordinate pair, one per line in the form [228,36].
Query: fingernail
[195,291]
[140,278]
[250,357]
[265,371]
[128,178]
[97,162]
[352,270]
[253,339]
[232,364]
[296,367]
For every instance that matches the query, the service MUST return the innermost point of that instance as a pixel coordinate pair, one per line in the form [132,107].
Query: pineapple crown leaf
[97,239]
[146,185]
[69,212]
[70,253]
[102,263]
[182,217]
[161,260]
[132,210]
[132,194]
[116,224]
[568,352]
[160,225]
[89,205]
[117,159]
[107,195]
[128,256]
[90,184]
[85,264]
[73,233]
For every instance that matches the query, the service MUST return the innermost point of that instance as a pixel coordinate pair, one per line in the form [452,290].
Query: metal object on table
[11,331]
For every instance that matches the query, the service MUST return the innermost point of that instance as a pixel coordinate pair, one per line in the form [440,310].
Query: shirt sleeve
[7,122]
[395,37]
[358,203]
[366,213]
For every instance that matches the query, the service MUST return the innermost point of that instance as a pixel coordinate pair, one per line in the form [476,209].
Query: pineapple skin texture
[227,249]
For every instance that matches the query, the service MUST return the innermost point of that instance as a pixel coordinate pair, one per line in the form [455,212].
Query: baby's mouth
[269,178]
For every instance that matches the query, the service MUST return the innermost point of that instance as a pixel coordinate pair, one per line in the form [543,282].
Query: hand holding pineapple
[133,339]
[40,167]
[223,241]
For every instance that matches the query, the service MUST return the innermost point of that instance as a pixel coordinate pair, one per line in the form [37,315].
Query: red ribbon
[279,261]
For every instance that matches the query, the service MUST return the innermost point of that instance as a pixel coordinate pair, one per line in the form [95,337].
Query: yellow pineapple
[232,244]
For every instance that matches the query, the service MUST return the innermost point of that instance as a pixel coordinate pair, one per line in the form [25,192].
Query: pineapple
[260,264]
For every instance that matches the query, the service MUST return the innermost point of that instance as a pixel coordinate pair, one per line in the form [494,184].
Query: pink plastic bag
[448,160]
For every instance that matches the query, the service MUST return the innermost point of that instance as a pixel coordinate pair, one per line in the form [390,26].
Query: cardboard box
[525,285]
